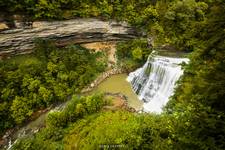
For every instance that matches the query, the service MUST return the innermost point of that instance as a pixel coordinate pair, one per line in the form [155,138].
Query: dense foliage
[83,125]
[193,119]
[199,100]
[132,54]
[33,82]
[58,122]
[135,12]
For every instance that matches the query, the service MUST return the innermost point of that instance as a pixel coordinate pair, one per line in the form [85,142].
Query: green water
[118,83]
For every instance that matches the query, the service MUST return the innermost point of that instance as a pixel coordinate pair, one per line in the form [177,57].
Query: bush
[77,108]
[132,54]
[49,75]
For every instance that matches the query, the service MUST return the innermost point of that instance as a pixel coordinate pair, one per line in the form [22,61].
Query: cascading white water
[154,82]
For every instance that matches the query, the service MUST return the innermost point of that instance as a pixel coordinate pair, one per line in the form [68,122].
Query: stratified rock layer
[21,40]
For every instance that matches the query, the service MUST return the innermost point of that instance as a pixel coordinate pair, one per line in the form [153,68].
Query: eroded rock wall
[21,40]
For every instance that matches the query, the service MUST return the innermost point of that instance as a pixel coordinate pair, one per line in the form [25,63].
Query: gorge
[77,75]
[21,40]
[153,83]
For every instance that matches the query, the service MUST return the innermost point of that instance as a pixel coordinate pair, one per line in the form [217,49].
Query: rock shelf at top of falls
[155,81]
[19,41]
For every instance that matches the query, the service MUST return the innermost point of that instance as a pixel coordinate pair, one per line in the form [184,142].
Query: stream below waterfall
[148,89]
[119,84]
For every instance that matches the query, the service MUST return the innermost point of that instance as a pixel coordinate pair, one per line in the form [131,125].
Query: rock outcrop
[21,40]
[3,26]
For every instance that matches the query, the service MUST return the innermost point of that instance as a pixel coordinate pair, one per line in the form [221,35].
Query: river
[119,84]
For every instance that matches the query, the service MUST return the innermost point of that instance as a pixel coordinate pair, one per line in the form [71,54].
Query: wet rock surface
[21,40]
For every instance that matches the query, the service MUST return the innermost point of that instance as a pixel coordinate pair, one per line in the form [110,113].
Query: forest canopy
[48,76]
[193,118]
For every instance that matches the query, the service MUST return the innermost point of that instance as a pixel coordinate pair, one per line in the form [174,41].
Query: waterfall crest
[154,82]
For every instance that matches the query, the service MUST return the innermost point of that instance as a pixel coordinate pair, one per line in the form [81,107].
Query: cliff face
[21,40]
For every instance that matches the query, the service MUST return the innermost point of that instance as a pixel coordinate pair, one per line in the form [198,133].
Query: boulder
[3,26]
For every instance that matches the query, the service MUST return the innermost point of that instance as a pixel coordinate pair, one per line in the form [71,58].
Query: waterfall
[154,82]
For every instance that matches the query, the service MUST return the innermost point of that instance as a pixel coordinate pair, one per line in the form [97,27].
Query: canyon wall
[21,40]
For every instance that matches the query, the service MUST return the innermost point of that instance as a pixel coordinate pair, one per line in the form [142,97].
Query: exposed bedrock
[21,40]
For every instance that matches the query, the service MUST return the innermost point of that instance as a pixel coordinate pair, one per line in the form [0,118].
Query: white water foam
[155,81]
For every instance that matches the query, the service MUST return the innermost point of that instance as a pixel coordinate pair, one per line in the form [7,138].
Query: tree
[21,109]
[80,109]
[183,20]
[137,53]
[198,102]
[56,119]
[46,95]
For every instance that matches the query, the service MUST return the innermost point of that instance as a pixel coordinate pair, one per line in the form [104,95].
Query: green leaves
[76,109]
[45,94]
[198,99]
[33,82]
[47,9]
[132,54]
[56,119]
[193,119]
[182,21]
[109,128]
[21,109]
[137,53]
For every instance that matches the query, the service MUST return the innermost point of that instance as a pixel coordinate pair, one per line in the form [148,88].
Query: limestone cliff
[21,40]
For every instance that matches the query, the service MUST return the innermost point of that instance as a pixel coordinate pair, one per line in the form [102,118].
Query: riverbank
[118,84]
[37,121]
[119,102]
[113,80]
[101,78]
[11,134]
